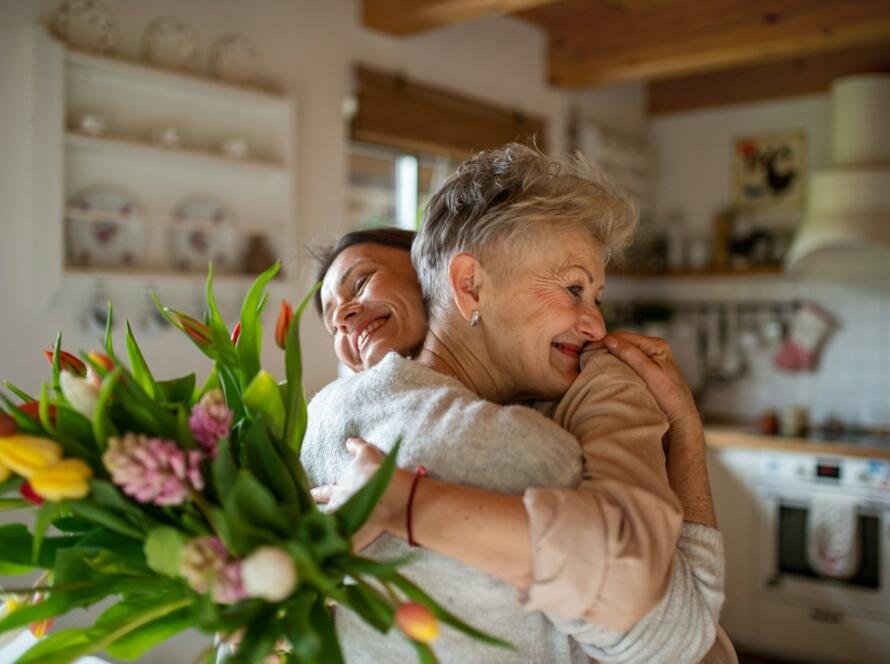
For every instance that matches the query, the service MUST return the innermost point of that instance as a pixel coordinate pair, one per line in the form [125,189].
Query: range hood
[847,225]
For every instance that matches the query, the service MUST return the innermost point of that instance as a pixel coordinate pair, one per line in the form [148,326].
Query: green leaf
[109,563]
[293,366]
[355,512]
[105,518]
[415,593]
[259,639]
[251,332]
[425,654]
[138,366]
[320,533]
[103,427]
[321,620]
[263,460]
[262,396]
[370,605]
[132,646]
[17,545]
[352,565]
[45,515]
[11,484]
[227,355]
[71,524]
[57,366]
[20,393]
[224,469]
[11,569]
[109,326]
[297,628]
[10,504]
[177,391]
[210,383]
[250,502]
[163,551]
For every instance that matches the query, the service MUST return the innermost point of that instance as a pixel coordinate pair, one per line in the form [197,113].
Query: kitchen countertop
[728,436]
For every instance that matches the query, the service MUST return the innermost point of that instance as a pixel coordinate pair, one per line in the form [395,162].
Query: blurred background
[139,140]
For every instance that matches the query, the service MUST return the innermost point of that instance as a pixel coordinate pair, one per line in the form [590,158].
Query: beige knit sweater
[603,556]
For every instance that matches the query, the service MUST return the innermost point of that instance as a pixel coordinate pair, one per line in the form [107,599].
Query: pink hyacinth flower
[210,421]
[153,470]
[206,566]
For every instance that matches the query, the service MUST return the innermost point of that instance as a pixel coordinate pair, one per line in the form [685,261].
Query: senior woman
[537,315]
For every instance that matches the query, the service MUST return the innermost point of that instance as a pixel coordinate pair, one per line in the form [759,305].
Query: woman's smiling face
[371,304]
[542,308]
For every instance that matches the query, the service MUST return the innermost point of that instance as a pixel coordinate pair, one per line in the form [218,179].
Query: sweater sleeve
[603,552]
[683,626]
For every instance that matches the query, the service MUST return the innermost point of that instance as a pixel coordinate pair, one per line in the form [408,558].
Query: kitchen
[700,109]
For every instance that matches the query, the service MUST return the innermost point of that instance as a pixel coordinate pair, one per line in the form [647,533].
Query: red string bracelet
[420,472]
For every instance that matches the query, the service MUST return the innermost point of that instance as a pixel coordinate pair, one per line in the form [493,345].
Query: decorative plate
[204,230]
[86,24]
[169,42]
[234,58]
[104,228]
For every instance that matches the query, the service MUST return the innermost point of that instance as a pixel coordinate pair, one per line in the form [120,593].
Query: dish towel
[833,536]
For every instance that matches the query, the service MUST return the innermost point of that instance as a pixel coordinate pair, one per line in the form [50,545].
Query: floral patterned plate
[104,228]
[86,24]
[204,230]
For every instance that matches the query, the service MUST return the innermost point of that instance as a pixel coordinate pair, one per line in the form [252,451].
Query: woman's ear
[465,276]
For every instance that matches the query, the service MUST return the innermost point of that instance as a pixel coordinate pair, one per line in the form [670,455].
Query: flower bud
[417,622]
[24,454]
[69,478]
[199,332]
[102,360]
[269,573]
[80,393]
[32,410]
[236,332]
[285,315]
[41,627]
[7,425]
[28,494]
[67,362]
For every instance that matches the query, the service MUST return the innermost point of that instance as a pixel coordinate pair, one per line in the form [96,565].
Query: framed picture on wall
[770,170]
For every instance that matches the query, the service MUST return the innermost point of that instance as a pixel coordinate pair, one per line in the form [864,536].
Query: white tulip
[80,393]
[269,573]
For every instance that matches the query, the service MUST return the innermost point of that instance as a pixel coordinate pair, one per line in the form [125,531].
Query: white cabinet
[135,99]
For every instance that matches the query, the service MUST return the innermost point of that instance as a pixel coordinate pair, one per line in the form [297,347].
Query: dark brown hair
[398,238]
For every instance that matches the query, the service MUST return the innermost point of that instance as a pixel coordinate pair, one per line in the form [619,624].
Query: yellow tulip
[24,454]
[69,478]
[417,622]
[4,472]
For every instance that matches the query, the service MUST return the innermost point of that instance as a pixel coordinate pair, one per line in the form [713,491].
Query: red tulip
[28,494]
[236,332]
[32,410]
[199,332]
[285,316]
[102,360]
[68,362]
[417,622]
[7,425]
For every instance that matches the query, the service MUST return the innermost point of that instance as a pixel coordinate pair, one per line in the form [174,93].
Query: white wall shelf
[135,99]
[183,157]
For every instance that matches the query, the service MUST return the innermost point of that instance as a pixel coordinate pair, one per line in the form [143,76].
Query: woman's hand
[651,358]
[366,460]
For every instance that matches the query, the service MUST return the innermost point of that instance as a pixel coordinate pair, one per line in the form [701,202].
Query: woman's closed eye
[576,290]
[360,283]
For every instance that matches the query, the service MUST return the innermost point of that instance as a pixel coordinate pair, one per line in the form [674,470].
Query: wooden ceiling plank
[775,80]
[405,17]
[653,46]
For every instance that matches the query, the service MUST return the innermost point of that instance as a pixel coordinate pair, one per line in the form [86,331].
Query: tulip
[269,573]
[68,362]
[199,332]
[285,315]
[24,454]
[5,472]
[32,410]
[81,393]
[7,425]
[40,628]
[28,494]
[102,360]
[417,622]
[236,332]
[69,478]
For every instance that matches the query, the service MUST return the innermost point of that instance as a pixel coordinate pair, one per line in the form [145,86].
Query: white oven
[845,620]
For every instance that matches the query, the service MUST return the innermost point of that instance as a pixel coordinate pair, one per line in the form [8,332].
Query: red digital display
[829,471]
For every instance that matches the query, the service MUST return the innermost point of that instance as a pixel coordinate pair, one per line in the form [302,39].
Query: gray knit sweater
[461,438]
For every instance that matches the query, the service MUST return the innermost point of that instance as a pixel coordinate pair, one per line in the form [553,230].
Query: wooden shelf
[126,147]
[762,271]
[155,276]
[134,70]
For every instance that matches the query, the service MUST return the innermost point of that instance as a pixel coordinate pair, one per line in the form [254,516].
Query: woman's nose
[591,323]
[344,313]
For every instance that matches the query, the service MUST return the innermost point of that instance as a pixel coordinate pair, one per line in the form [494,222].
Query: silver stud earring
[474,318]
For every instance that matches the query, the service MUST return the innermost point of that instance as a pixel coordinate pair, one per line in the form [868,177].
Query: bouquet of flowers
[188,505]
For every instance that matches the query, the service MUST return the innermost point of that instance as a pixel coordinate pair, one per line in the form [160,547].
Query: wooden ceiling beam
[404,17]
[598,42]
[775,80]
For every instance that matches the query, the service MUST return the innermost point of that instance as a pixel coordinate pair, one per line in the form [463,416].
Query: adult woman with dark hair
[600,556]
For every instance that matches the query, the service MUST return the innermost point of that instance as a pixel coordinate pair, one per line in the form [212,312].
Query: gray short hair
[510,194]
